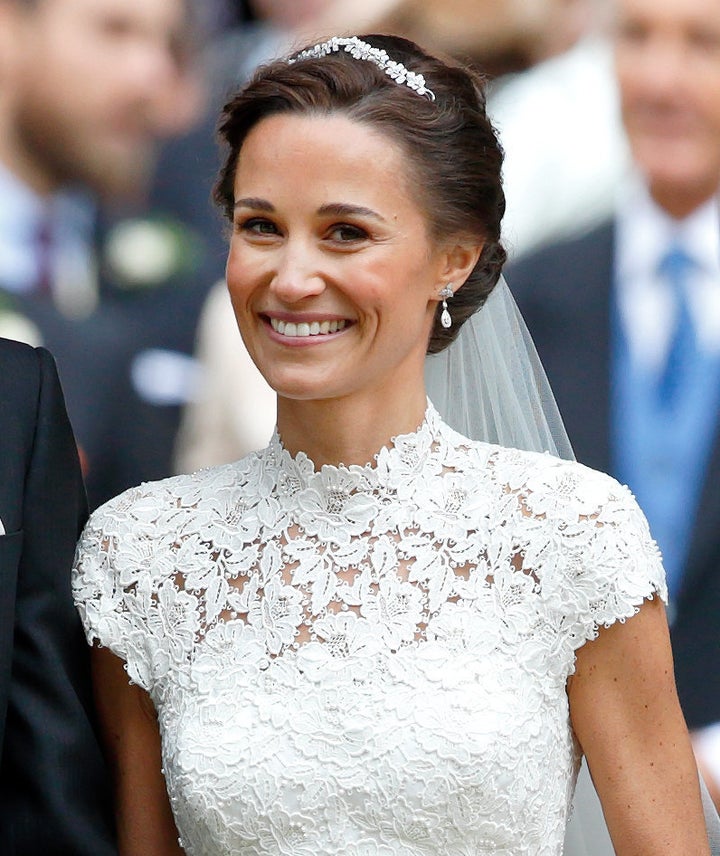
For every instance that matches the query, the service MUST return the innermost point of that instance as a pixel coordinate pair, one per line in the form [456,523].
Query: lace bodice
[366,660]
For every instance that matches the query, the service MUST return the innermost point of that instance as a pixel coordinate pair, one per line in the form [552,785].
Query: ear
[457,262]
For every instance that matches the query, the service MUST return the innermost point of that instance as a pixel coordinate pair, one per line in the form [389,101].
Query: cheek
[239,272]
[710,104]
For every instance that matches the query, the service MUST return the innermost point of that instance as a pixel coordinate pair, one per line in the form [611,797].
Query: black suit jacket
[565,292]
[54,793]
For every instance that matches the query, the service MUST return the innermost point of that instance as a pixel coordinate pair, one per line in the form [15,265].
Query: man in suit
[88,88]
[627,322]
[54,791]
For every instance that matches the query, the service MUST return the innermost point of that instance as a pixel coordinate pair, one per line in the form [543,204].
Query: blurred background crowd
[112,255]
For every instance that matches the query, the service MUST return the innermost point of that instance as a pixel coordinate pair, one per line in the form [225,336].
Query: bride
[376,636]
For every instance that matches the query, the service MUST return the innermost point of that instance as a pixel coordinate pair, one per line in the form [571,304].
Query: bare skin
[626,715]
[130,733]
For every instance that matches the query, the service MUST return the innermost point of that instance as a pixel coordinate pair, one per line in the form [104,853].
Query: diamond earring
[445,318]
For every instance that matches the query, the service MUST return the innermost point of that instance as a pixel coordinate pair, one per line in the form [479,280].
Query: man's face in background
[668,66]
[88,87]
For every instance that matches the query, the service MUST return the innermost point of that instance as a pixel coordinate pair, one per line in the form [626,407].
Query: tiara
[362,50]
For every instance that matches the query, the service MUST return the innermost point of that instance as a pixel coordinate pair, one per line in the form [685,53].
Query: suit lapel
[10,550]
[18,403]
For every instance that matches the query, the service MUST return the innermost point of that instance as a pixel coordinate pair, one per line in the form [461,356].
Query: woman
[376,636]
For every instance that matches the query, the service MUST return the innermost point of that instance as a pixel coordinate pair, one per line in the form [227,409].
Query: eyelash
[258,226]
[251,223]
[358,233]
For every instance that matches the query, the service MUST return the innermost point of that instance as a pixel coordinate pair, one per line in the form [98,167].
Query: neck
[681,205]
[348,430]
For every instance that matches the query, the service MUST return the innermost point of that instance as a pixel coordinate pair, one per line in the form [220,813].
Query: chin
[678,171]
[300,388]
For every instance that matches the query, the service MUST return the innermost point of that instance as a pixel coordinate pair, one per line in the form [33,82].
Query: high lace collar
[396,464]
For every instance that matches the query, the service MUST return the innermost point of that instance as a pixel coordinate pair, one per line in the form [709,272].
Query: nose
[296,275]
[660,67]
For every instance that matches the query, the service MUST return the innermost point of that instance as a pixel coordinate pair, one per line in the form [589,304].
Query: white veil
[489,384]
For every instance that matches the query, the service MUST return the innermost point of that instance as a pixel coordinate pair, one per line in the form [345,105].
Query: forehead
[167,14]
[321,151]
[670,13]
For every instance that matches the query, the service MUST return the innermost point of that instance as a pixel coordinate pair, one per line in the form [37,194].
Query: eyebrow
[338,209]
[254,202]
[334,209]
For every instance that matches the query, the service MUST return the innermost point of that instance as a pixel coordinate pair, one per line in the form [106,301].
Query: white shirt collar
[644,234]
[646,231]
[21,211]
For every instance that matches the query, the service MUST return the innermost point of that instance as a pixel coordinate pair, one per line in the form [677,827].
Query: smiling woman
[327,245]
[377,636]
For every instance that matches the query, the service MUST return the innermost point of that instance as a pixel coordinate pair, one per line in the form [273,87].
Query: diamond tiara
[362,50]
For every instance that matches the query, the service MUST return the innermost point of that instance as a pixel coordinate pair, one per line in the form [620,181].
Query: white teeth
[303,329]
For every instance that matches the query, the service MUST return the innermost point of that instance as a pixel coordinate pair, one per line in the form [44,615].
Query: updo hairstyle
[454,158]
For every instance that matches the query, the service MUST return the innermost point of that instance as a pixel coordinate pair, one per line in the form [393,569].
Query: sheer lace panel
[366,659]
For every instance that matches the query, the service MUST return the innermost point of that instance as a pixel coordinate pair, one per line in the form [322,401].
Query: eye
[257,226]
[345,233]
[632,33]
[705,40]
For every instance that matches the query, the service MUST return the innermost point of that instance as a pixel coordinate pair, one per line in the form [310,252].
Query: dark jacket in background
[54,789]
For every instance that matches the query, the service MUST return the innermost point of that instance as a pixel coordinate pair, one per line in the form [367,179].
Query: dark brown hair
[454,158]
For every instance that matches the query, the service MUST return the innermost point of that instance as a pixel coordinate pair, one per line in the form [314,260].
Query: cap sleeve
[115,574]
[610,563]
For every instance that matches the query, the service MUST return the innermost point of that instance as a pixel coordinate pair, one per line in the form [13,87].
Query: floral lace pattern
[366,660]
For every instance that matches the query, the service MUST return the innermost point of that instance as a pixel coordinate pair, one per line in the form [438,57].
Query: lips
[304,329]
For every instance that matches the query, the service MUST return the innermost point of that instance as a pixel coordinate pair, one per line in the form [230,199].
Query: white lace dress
[366,660]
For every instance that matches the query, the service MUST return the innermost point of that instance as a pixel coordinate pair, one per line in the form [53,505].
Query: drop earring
[445,318]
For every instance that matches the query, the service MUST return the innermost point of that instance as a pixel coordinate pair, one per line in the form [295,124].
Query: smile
[303,329]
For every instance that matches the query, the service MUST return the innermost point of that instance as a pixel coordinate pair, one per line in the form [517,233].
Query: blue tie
[674,267]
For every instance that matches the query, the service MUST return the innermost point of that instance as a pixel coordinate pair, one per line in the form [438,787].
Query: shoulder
[586,535]
[538,479]
[553,487]
[23,366]
[162,505]
[13,351]
[30,395]
[568,503]
[137,542]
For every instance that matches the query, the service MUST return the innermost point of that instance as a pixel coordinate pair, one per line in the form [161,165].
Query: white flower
[455,505]
[231,654]
[175,620]
[348,646]
[331,508]
[277,611]
[396,610]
